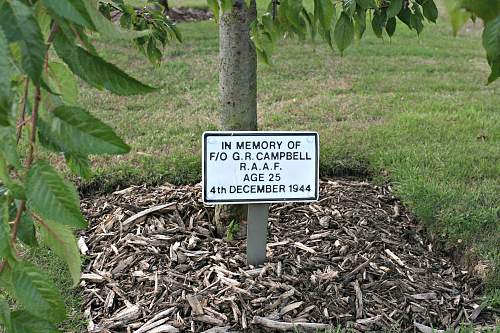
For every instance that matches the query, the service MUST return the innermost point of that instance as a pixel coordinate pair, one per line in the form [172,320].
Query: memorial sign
[260,167]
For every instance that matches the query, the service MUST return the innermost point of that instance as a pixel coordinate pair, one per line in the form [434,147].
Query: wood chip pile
[356,258]
[186,14]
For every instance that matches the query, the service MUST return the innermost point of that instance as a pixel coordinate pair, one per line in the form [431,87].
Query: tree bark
[237,90]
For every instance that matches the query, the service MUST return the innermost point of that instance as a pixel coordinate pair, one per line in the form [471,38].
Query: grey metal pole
[257,233]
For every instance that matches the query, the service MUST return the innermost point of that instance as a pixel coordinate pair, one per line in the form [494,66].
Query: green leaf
[430,10]
[43,18]
[349,6]
[85,39]
[405,17]
[26,231]
[344,32]
[213,5]
[5,87]
[394,8]
[263,43]
[323,13]
[6,279]
[293,9]
[491,39]
[79,165]
[491,43]
[108,28]
[97,72]
[80,132]
[269,27]
[226,5]
[5,250]
[52,197]
[495,71]
[19,25]
[4,314]
[72,10]
[416,19]
[61,240]
[153,53]
[16,189]
[378,22]
[63,82]
[390,26]
[359,22]
[309,19]
[34,291]
[486,9]
[8,146]
[24,322]
[366,4]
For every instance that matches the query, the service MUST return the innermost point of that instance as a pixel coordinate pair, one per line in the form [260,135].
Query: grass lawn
[414,111]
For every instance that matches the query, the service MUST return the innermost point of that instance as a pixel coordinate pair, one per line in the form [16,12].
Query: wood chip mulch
[356,258]
[186,14]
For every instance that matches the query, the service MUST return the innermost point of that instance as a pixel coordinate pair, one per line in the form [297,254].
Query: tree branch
[34,117]
[32,141]
[28,162]
[21,122]
[15,225]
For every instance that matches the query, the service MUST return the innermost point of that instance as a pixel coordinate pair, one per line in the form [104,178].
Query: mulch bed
[186,14]
[356,258]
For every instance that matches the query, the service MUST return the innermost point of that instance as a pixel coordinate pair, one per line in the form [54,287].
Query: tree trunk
[237,90]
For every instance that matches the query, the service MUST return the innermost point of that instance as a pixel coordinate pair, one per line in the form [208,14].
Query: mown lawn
[414,111]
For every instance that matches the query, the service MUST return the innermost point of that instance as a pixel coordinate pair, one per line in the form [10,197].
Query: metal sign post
[258,168]
[257,233]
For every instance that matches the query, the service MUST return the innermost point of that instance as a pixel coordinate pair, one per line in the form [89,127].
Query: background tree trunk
[237,90]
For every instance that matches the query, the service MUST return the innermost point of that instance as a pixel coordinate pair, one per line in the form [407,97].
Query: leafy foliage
[460,11]
[149,18]
[39,92]
[59,239]
[344,32]
[342,21]
[50,196]
[96,71]
[36,294]
[336,21]
[20,26]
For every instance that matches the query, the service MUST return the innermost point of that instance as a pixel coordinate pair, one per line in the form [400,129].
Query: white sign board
[260,167]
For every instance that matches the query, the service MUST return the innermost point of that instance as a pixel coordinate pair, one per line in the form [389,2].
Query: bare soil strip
[356,258]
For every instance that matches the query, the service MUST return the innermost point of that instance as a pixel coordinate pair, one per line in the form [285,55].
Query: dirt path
[356,258]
